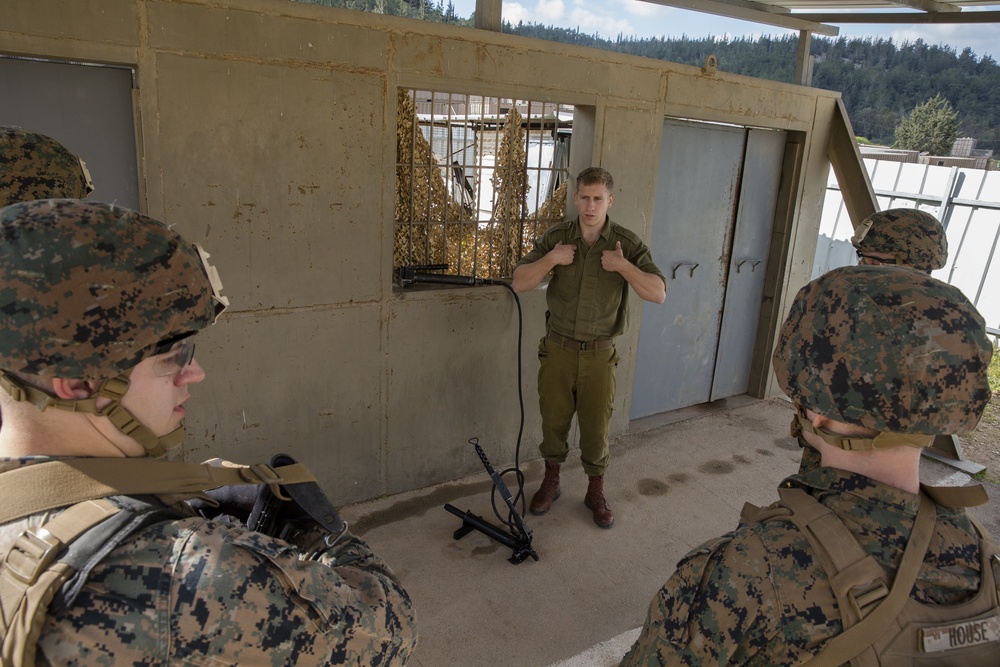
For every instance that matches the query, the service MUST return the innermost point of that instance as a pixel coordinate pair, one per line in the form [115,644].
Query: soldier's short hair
[915,238]
[887,348]
[595,175]
[34,166]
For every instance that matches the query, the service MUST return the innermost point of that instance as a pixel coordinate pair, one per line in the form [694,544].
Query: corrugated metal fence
[966,201]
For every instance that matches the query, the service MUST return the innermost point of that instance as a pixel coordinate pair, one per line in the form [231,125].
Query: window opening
[477,179]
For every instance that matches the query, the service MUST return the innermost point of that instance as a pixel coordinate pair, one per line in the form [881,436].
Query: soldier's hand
[236,501]
[614,260]
[563,253]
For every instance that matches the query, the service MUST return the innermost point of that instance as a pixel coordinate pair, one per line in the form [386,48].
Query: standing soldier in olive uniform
[876,360]
[593,262]
[34,166]
[101,305]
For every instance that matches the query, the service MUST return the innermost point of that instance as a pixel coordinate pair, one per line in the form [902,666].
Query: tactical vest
[105,501]
[882,625]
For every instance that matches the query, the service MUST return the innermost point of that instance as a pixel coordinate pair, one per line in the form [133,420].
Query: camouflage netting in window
[510,193]
[433,228]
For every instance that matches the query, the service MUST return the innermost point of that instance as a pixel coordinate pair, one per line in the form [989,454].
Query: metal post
[804,61]
[489,15]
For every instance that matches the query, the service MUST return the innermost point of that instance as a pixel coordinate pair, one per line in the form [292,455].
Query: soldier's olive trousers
[582,383]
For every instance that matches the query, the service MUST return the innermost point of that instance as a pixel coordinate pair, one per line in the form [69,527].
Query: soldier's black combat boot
[548,492]
[596,503]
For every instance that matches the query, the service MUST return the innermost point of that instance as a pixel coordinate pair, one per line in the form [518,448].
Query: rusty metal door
[748,262]
[697,187]
[712,218]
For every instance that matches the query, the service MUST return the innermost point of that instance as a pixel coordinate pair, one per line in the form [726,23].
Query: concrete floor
[674,481]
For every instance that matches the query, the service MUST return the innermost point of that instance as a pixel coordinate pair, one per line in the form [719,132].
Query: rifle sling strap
[957,496]
[855,639]
[29,578]
[31,489]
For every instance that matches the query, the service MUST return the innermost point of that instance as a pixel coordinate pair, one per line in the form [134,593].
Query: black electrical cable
[420,274]
[518,497]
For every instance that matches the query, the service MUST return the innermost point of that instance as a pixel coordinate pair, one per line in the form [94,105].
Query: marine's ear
[818,421]
[72,389]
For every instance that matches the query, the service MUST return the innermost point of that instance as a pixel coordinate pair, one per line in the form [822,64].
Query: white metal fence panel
[966,201]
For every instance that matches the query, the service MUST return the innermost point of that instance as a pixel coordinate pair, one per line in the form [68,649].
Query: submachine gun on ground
[517,536]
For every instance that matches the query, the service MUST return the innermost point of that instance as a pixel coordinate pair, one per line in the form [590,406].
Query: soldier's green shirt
[194,591]
[586,302]
[756,596]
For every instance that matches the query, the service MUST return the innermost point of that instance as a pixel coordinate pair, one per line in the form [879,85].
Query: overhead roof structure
[810,16]
[821,16]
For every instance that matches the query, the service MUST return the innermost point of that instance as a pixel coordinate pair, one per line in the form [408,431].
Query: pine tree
[931,127]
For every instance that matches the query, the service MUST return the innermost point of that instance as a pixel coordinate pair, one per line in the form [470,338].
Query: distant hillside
[880,81]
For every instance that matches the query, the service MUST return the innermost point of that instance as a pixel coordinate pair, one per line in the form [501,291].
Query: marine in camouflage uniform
[905,237]
[885,357]
[94,291]
[34,166]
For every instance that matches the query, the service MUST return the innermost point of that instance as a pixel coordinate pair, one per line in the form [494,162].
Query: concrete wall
[266,131]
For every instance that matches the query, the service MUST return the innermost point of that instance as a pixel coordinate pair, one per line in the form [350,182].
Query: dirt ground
[983,444]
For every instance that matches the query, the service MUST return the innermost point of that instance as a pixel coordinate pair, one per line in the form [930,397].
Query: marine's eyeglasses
[173,358]
[868,260]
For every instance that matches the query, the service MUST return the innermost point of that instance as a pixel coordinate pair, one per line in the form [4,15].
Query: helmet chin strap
[112,389]
[801,423]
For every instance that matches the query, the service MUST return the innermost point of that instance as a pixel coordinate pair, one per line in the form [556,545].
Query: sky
[609,18]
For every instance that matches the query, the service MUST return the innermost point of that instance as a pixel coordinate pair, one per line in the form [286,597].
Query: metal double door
[717,187]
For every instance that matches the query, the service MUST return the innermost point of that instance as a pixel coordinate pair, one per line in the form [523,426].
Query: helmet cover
[914,237]
[887,348]
[34,166]
[88,289]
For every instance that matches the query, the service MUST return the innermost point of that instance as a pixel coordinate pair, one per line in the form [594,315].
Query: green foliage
[427,10]
[931,127]
[862,140]
[879,81]
[986,476]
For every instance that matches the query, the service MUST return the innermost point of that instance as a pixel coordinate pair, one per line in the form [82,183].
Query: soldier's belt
[571,344]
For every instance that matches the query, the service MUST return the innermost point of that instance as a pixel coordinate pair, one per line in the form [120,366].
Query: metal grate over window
[477,179]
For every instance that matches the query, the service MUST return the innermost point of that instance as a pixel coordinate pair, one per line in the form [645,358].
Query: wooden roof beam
[849,168]
[752,11]
[905,17]
[489,15]
[929,5]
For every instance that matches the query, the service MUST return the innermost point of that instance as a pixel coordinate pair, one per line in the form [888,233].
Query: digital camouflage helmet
[889,349]
[913,237]
[88,290]
[34,166]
